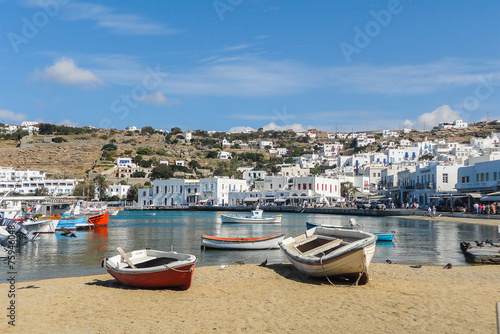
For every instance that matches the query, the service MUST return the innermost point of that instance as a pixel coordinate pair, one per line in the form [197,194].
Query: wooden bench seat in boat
[317,244]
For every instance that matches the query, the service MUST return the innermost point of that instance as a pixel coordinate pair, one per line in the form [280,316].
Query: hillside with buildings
[280,166]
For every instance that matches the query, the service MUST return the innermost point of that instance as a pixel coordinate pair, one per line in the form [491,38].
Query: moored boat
[147,268]
[255,218]
[41,226]
[381,236]
[331,252]
[270,242]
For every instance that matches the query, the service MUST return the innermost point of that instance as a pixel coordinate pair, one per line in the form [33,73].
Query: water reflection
[53,255]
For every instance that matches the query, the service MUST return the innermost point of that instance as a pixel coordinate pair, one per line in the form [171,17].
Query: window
[482,177]
[445,178]
[494,176]
[487,176]
[467,179]
[477,177]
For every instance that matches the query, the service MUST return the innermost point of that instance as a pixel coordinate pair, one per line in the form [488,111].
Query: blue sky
[229,64]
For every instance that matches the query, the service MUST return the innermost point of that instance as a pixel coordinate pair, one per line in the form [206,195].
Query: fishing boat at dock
[270,242]
[41,226]
[331,252]
[255,218]
[147,268]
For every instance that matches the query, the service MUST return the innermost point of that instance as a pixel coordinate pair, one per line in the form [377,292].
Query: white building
[264,143]
[180,192]
[26,182]
[331,149]
[131,128]
[119,190]
[223,155]
[389,133]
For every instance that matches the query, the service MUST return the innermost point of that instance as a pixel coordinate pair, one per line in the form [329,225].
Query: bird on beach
[67,233]
[263,264]
[389,261]
[416,266]
[448,266]
[240,262]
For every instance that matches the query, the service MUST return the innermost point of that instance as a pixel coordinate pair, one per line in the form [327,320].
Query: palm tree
[101,185]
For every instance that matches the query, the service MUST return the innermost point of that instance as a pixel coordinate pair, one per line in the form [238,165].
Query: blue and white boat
[353,225]
[255,218]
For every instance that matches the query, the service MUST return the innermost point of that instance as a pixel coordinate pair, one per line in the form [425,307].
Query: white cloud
[65,71]
[125,24]
[7,115]
[241,129]
[159,98]
[431,119]
[272,126]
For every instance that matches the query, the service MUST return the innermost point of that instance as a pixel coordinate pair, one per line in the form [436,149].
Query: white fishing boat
[41,226]
[271,242]
[255,218]
[331,252]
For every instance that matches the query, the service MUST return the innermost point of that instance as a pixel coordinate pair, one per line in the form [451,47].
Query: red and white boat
[148,268]
[271,242]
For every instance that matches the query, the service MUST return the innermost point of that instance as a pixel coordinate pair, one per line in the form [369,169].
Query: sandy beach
[272,299]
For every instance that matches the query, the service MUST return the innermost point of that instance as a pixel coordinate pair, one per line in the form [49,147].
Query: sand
[272,299]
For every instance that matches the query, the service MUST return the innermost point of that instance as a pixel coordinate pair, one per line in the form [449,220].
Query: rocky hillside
[75,156]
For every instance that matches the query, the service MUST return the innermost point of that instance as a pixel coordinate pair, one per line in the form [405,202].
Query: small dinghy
[255,218]
[331,252]
[147,268]
[271,242]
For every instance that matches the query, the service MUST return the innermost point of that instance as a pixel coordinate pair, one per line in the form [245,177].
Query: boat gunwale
[242,240]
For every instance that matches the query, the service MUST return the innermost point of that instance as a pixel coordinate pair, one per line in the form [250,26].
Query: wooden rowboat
[331,252]
[147,268]
[242,243]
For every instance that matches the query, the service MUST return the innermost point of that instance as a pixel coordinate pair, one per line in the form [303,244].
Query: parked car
[363,205]
[377,206]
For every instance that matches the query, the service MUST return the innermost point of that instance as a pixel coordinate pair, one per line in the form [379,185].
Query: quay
[324,210]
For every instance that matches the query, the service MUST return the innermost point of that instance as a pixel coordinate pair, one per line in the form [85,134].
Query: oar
[125,257]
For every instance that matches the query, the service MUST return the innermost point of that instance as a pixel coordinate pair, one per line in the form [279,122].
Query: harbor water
[53,255]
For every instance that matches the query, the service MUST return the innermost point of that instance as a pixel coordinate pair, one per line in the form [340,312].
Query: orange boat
[99,219]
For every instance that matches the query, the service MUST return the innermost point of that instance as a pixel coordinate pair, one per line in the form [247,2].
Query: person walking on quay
[476,208]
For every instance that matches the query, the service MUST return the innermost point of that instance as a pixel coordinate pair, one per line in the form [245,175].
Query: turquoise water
[416,241]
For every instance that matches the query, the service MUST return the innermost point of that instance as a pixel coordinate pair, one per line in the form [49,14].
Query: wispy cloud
[65,71]
[7,115]
[246,76]
[106,17]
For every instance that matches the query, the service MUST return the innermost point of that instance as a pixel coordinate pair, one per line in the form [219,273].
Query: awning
[478,195]
[203,201]
[490,198]
[251,199]
[280,200]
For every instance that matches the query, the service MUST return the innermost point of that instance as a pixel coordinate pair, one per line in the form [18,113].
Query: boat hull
[178,273]
[321,252]
[99,219]
[381,236]
[242,243]
[42,226]
[234,219]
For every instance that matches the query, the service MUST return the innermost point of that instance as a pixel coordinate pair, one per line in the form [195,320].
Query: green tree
[175,130]
[102,185]
[133,193]
[212,154]
[42,191]
[347,190]
[147,130]
[193,164]
[162,172]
